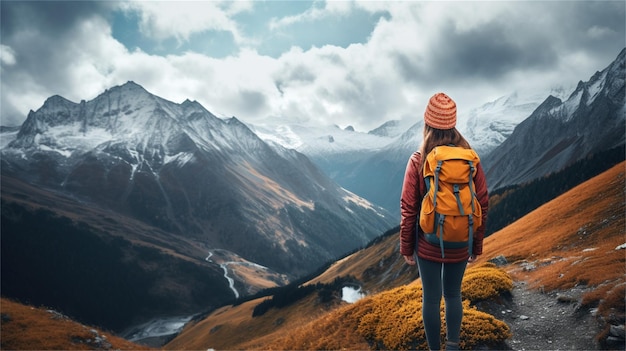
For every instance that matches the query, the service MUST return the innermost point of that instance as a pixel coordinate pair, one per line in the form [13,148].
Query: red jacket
[413,190]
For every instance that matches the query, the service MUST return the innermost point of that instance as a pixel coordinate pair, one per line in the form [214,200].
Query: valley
[566,270]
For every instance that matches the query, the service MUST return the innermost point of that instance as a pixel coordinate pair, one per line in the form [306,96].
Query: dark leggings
[435,278]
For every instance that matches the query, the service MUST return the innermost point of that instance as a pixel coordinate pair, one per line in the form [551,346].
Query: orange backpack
[450,212]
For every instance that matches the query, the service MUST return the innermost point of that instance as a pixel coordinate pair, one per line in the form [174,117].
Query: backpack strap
[471,216]
[439,228]
[470,243]
[470,182]
[441,219]
[458,199]
[437,170]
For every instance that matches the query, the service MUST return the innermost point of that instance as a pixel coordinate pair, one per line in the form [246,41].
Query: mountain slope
[572,247]
[559,133]
[343,154]
[571,241]
[97,266]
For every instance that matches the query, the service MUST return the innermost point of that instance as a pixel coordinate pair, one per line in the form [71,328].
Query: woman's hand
[410,260]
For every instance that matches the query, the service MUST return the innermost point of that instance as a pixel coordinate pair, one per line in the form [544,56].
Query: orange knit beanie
[440,112]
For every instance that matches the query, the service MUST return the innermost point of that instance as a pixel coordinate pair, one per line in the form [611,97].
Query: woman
[439,274]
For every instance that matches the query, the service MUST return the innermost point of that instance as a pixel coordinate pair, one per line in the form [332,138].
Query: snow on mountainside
[180,168]
[318,141]
[487,126]
[390,129]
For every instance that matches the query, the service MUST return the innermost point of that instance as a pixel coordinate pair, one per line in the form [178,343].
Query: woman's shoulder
[416,158]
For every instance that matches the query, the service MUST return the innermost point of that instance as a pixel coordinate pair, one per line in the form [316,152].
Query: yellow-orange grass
[29,328]
[570,240]
[485,281]
[392,320]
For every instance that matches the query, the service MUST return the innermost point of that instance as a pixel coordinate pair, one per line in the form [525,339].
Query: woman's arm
[410,202]
[483,198]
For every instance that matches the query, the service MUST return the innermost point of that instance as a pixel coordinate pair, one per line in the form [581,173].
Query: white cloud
[7,55]
[167,19]
[319,11]
[476,52]
[599,32]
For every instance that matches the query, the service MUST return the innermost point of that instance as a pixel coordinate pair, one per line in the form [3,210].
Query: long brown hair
[435,137]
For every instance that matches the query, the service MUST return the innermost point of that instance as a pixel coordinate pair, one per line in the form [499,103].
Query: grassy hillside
[570,240]
[29,328]
[378,268]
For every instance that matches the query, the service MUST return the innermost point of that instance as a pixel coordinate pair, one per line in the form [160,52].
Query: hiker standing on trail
[424,226]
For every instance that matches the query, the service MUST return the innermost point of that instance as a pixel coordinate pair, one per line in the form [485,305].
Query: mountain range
[212,191]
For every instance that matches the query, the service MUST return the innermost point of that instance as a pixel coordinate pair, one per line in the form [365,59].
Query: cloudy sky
[356,63]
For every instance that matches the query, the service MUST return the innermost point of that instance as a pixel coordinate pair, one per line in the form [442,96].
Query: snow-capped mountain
[390,129]
[558,133]
[183,170]
[487,126]
[321,141]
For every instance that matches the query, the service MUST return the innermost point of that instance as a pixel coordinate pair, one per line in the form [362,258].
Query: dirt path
[547,321]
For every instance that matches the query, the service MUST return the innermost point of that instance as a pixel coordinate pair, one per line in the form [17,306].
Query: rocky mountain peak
[546,106]
[559,133]
[130,87]
[388,128]
[127,113]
